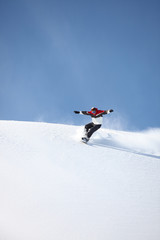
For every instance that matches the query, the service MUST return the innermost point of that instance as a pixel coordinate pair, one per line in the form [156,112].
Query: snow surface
[53,187]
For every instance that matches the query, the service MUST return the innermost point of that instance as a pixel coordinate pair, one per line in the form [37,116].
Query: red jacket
[97,116]
[98,113]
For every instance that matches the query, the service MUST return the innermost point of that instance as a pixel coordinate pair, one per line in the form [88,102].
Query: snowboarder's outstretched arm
[82,112]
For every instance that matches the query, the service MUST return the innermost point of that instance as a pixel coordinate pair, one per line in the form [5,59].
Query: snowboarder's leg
[93,129]
[88,127]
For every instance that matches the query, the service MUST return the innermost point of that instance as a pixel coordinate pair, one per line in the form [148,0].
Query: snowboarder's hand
[111,110]
[77,112]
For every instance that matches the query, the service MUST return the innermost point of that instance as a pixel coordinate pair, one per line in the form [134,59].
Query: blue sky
[60,56]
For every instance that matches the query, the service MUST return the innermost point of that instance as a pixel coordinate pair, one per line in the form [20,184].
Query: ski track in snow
[53,186]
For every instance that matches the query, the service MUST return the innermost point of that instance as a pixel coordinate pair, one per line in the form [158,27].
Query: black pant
[91,128]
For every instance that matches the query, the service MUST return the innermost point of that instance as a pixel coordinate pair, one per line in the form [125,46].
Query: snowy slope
[53,187]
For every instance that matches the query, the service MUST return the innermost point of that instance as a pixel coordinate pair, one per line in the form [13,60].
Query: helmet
[93,108]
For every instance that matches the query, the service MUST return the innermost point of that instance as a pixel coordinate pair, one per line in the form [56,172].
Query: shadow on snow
[112,144]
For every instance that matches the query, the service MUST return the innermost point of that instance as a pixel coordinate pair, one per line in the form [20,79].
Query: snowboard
[84,140]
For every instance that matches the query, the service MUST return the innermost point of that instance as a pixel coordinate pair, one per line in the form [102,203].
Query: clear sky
[57,56]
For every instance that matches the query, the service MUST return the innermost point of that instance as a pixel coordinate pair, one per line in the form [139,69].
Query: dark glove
[111,110]
[77,112]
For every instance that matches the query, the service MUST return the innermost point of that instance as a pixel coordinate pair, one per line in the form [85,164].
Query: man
[97,117]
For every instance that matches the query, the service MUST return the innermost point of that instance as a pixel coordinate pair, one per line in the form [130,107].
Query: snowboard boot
[85,139]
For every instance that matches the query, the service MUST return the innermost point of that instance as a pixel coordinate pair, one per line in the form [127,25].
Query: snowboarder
[97,117]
